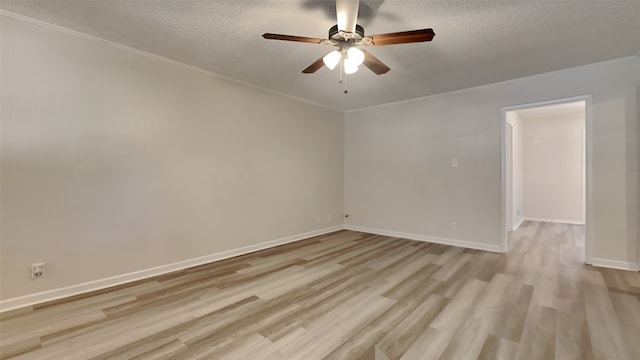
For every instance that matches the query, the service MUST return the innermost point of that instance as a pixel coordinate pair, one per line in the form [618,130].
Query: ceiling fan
[347,36]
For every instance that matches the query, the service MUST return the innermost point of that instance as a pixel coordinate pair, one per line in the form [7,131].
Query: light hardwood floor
[337,296]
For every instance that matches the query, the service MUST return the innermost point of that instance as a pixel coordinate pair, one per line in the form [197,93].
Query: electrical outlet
[454,226]
[37,271]
[328,217]
[454,162]
[318,219]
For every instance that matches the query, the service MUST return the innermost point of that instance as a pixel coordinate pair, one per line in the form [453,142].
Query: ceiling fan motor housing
[336,34]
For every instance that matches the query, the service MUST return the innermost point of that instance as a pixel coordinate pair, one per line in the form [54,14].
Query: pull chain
[343,76]
[345,84]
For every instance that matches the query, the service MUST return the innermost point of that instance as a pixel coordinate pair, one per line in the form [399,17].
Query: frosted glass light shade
[350,66]
[355,55]
[332,59]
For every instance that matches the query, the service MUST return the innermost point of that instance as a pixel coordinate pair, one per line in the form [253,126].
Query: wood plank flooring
[342,295]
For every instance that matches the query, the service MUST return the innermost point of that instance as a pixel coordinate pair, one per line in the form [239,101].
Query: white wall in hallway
[552,167]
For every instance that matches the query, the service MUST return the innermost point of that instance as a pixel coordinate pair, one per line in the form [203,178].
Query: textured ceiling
[477,42]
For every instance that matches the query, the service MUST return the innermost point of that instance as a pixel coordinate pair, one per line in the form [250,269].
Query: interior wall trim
[550,74]
[55,294]
[560,221]
[616,264]
[589,217]
[518,223]
[153,56]
[432,239]
[612,264]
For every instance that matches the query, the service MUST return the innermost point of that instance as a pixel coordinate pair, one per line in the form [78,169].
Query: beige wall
[114,162]
[552,164]
[398,176]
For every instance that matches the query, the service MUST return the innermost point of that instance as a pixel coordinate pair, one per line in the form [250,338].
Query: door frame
[509,164]
[589,232]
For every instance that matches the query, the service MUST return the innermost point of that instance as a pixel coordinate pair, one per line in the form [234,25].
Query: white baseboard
[615,264]
[559,221]
[518,224]
[431,239]
[45,296]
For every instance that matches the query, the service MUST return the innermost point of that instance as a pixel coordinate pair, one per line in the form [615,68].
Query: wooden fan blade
[403,37]
[292,38]
[314,67]
[374,64]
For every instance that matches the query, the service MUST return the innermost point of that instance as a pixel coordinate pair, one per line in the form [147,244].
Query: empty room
[319,179]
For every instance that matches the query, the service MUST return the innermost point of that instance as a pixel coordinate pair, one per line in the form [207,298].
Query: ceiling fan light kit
[355,55]
[332,59]
[352,58]
[350,67]
[346,36]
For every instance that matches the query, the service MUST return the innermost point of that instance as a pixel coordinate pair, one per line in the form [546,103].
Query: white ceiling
[477,42]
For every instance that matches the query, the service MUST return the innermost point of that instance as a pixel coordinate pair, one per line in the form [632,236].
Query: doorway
[546,163]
